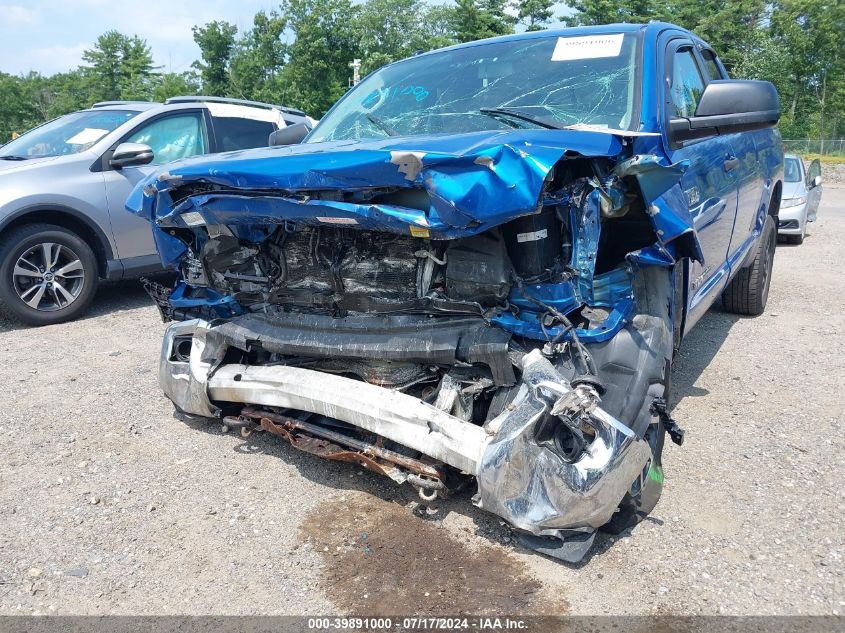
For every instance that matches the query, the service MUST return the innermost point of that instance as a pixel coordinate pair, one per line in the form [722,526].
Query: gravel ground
[832,173]
[110,505]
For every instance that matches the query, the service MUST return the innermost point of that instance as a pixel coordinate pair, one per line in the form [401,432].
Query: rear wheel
[48,274]
[749,290]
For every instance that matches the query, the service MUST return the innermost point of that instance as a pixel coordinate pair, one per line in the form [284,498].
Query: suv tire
[748,292]
[48,274]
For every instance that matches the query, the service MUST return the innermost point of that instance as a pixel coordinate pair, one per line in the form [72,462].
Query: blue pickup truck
[477,268]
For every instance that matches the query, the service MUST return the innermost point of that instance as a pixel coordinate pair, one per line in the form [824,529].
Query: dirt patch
[381,559]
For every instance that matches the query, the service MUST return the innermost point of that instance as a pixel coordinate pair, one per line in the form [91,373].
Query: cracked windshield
[548,82]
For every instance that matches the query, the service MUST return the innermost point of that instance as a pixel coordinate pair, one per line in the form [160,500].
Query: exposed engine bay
[529,354]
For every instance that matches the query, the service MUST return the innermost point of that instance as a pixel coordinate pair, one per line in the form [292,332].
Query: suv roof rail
[246,102]
[102,104]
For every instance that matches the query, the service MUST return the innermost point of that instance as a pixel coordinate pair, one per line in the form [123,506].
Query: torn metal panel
[472,183]
[462,189]
[666,204]
[529,324]
[535,489]
[529,484]
[184,381]
[585,218]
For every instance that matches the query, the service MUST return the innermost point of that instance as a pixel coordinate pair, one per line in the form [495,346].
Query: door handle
[731,163]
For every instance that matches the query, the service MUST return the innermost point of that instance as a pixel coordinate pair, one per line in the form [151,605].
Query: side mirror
[290,135]
[730,105]
[816,181]
[131,154]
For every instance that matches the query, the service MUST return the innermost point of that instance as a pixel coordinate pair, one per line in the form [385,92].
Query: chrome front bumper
[527,484]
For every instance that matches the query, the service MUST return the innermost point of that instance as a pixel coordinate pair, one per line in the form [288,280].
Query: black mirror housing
[290,135]
[730,105]
[131,155]
[742,100]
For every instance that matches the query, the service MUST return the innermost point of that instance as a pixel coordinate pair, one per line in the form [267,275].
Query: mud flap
[570,549]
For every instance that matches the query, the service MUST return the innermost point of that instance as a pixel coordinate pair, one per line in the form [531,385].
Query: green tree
[120,67]
[317,70]
[814,71]
[535,14]
[104,67]
[387,30]
[495,17]
[477,19]
[592,12]
[176,85]
[137,74]
[60,94]
[439,22]
[16,111]
[466,21]
[258,59]
[216,41]
[731,28]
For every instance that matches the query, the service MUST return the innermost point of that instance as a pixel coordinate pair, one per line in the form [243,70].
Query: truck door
[710,182]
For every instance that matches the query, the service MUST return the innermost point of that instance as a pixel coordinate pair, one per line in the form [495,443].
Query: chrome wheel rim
[48,277]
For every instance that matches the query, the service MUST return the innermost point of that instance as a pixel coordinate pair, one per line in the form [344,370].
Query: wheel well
[774,205]
[69,221]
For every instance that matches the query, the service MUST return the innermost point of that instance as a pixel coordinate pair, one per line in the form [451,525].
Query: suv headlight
[792,202]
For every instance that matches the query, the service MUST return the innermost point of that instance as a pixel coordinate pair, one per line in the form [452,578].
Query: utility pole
[355,65]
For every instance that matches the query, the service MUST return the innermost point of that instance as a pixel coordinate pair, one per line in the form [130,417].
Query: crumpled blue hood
[473,181]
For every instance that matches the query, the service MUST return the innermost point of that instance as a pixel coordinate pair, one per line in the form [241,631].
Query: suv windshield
[791,170]
[68,134]
[558,81]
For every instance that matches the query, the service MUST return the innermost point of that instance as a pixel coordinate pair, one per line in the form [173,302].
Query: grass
[825,159]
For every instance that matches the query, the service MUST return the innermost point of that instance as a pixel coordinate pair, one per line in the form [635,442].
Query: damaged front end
[495,306]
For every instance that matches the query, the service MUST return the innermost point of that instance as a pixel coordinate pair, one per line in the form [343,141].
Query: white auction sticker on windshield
[587,47]
[88,135]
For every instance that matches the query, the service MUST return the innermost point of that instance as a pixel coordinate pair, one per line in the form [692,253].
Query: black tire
[748,292]
[797,240]
[645,491]
[56,297]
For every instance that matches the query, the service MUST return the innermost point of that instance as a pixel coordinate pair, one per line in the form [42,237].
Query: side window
[792,170]
[710,64]
[814,170]
[173,137]
[238,133]
[687,83]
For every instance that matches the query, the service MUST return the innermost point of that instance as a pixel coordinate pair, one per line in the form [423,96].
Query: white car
[802,191]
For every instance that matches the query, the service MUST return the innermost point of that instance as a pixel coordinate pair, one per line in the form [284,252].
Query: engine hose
[586,360]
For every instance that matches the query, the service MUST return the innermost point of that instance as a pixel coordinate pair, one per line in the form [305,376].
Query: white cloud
[15,16]
[44,35]
[56,58]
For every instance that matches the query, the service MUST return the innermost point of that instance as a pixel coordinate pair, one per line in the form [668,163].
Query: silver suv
[63,226]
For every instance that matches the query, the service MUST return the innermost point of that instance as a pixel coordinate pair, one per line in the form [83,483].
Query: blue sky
[49,36]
